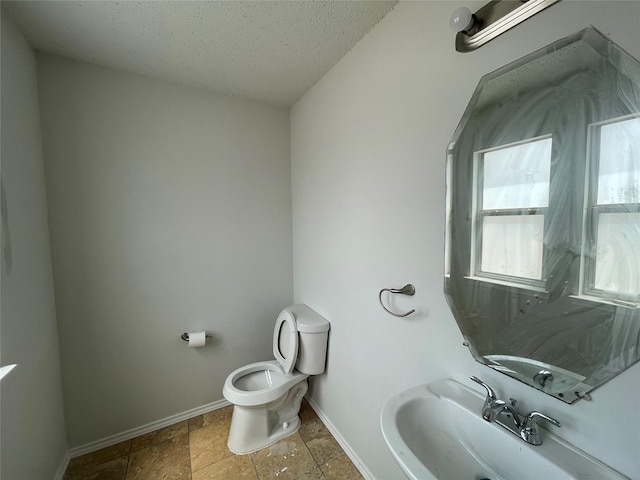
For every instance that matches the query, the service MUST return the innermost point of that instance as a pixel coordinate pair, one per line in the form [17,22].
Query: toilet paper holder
[185,336]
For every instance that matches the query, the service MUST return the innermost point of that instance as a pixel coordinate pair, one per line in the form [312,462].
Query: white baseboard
[148,428]
[165,422]
[343,443]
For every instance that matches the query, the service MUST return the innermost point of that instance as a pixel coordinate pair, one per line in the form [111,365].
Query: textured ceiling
[272,51]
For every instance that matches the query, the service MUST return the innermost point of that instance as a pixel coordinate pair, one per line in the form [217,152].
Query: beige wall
[33,439]
[368,149]
[170,211]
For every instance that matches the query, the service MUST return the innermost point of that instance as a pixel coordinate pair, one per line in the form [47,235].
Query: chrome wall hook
[408,289]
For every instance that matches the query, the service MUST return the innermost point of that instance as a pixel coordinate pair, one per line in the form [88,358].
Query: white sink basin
[436,431]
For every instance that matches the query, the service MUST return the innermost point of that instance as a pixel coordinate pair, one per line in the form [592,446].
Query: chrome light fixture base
[494,19]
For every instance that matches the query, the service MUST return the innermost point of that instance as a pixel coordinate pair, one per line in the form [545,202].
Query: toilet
[266,396]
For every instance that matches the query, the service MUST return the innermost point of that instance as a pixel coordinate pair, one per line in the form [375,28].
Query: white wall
[33,437]
[368,165]
[170,211]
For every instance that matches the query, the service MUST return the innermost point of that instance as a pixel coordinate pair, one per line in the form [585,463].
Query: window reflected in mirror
[511,198]
[612,237]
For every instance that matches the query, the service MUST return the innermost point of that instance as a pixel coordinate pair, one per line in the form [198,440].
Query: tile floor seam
[126,469]
[190,458]
[255,468]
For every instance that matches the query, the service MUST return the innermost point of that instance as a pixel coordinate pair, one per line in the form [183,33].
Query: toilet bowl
[259,383]
[267,395]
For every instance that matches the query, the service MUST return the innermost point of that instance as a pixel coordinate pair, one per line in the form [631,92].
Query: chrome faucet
[493,410]
[505,415]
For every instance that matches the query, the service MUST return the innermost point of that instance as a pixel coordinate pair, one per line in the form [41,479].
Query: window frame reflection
[594,210]
[480,271]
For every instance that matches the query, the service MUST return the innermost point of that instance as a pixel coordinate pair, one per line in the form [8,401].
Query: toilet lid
[285,341]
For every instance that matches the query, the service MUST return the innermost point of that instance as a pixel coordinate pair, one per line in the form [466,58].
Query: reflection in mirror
[543,217]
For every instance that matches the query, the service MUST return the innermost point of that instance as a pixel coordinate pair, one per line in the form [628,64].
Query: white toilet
[267,395]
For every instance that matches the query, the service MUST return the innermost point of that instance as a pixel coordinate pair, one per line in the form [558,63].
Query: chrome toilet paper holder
[185,336]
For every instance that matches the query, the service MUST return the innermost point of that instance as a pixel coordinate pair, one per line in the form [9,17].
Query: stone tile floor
[196,449]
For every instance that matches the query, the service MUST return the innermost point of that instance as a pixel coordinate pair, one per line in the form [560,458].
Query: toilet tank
[313,332]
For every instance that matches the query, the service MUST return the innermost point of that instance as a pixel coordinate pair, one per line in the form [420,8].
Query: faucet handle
[491,395]
[531,420]
[530,432]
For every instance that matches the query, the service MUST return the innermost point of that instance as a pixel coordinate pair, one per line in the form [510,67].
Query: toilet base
[257,427]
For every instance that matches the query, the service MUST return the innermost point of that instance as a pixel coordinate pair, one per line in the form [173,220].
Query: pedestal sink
[436,431]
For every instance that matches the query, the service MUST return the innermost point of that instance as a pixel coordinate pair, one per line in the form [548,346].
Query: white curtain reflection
[619,163]
[618,255]
[517,176]
[512,245]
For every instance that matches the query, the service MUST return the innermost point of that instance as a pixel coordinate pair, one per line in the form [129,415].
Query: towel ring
[408,289]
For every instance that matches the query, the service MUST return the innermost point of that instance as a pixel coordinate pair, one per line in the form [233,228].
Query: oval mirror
[543,217]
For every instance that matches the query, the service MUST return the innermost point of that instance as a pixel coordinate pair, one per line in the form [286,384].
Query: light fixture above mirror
[495,18]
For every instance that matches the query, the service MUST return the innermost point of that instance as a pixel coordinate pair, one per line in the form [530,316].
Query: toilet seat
[259,383]
[285,341]
[263,382]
